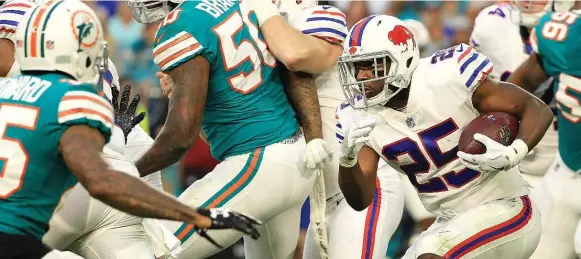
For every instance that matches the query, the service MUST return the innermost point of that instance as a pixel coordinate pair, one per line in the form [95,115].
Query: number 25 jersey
[422,142]
[246,106]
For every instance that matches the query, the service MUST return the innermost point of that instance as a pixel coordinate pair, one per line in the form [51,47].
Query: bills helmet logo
[352,50]
[400,35]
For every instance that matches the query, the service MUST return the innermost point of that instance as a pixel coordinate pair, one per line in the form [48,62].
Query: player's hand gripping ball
[487,143]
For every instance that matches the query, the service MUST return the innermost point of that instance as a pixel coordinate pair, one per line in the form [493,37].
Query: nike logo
[159,38]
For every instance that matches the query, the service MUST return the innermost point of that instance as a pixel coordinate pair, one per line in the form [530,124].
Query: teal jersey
[34,112]
[557,38]
[246,106]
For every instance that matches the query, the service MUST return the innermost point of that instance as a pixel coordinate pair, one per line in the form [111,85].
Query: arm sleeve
[325,22]
[83,106]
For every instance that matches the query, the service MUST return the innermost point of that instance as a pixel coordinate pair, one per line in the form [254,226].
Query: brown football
[499,126]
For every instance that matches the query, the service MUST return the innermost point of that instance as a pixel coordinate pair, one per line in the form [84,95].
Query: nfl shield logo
[50,45]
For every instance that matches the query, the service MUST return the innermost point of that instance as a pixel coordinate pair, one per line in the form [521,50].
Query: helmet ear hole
[87,62]
[409,62]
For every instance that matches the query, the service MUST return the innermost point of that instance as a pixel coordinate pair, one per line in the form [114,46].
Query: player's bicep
[497,96]
[188,97]
[530,74]
[80,146]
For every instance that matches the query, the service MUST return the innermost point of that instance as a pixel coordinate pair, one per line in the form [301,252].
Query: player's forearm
[535,118]
[297,51]
[132,195]
[529,75]
[356,186]
[302,93]
[173,141]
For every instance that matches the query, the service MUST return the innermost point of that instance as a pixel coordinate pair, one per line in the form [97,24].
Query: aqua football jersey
[558,38]
[246,106]
[34,112]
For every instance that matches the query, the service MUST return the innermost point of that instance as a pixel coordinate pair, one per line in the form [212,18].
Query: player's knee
[430,256]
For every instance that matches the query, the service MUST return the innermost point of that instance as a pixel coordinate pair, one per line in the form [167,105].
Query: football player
[554,41]
[409,111]
[311,41]
[54,123]
[502,32]
[227,83]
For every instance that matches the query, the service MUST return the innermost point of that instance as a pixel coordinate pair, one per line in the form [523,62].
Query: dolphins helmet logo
[400,35]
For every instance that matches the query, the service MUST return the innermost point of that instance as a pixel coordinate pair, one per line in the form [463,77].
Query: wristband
[264,11]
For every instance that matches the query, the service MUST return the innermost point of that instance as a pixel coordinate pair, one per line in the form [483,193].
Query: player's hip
[487,231]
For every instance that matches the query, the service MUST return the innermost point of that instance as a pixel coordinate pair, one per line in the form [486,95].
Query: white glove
[356,136]
[318,154]
[497,157]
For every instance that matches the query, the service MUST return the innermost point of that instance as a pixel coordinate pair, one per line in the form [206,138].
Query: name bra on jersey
[215,8]
[24,88]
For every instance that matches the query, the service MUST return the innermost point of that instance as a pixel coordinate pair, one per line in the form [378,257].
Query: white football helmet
[531,11]
[63,36]
[148,11]
[380,39]
[289,8]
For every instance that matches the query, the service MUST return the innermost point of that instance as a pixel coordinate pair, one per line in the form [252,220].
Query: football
[499,126]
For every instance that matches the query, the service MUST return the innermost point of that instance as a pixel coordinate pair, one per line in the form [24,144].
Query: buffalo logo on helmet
[352,50]
[400,35]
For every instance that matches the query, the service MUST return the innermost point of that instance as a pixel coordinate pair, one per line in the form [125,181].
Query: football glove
[124,112]
[225,219]
[355,137]
[318,154]
[498,157]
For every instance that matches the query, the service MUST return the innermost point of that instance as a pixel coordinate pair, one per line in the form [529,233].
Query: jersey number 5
[421,165]
[12,152]
[246,51]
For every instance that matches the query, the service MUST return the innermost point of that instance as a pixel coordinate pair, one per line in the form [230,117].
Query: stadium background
[130,45]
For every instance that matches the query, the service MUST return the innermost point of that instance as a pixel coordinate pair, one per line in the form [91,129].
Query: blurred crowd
[130,47]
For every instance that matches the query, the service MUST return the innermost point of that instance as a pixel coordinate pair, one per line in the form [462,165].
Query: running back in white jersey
[497,34]
[11,13]
[423,141]
[328,23]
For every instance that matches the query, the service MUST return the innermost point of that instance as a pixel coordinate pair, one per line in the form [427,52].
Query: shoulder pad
[325,22]
[471,66]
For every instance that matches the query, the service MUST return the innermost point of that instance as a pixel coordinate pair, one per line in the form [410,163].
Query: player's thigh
[508,228]
[366,234]
[262,184]
[70,219]
[577,240]
[559,216]
[118,243]
[278,238]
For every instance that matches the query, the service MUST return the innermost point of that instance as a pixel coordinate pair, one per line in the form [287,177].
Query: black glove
[125,116]
[225,219]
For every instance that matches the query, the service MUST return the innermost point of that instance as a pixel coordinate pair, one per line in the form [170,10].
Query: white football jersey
[11,13]
[422,142]
[496,34]
[328,23]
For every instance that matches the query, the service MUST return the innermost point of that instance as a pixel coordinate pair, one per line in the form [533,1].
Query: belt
[292,139]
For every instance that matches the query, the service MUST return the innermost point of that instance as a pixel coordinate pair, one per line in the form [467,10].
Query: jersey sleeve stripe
[75,114]
[328,30]
[8,22]
[338,14]
[339,136]
[477,73]
[16,5]
[76,95]
[167,62]
[468,62]
[18,12]
[314,19]
[180,37]
[82,101]
[464,54]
